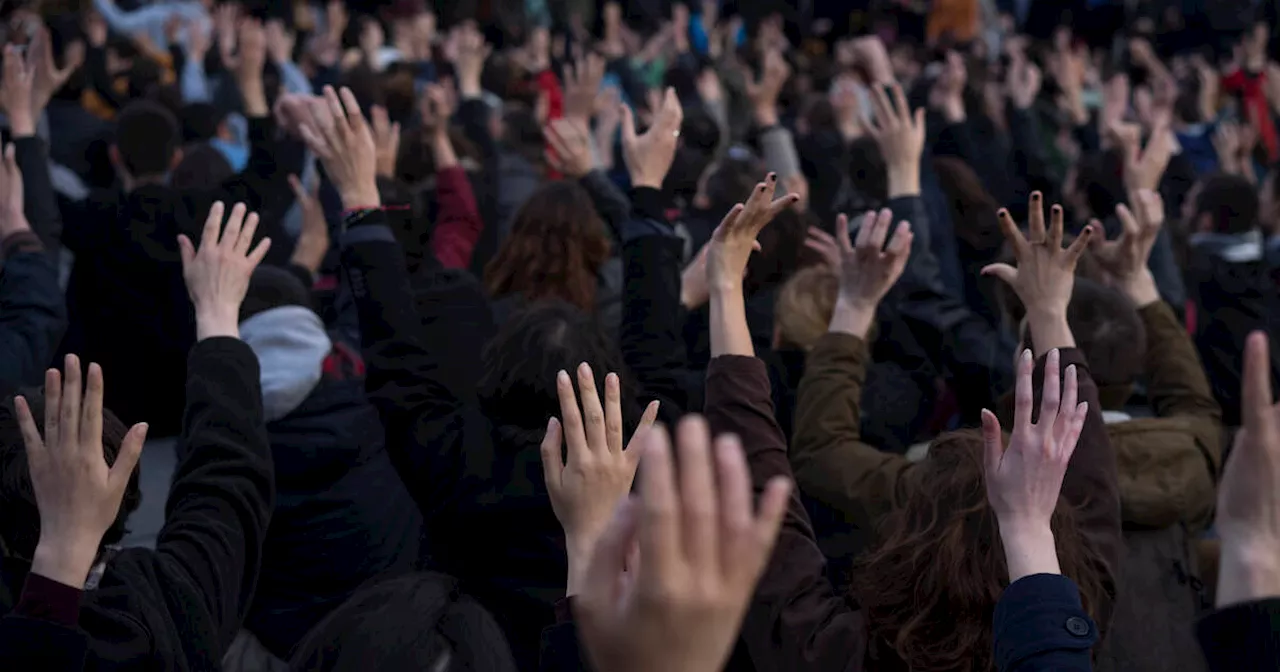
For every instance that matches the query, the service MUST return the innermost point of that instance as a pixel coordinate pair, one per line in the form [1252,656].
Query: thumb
[296,185]
[992,442]
[127,458]
[628,126]
[1004,272]
[552,459]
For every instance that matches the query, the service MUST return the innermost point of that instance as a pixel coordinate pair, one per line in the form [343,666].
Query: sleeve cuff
[377,233]
[48,600]
[1038,614]
[19,242]
[648,203]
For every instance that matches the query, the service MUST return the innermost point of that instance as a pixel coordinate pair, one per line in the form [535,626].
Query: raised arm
[830,460]
[458,222]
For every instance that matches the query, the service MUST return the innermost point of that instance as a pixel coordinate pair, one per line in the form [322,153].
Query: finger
[773,507]
[30,432]
[672,114]
[298,192]
[53,409]
[881,230]
[730,220]
[259,253]
[736,519]
[1255,408]
[613,412]
[592,410]
[245,238]
[1128,223]
[1011,233]
[212,225]
[1072,436]
[780,204]
[91,410]
[1070,397]
[1051,391]
[1004,272]
[315,140]
[127,457]
[902,110]
[1035,219]
[340,126]
[1099,243]
[659,522]
[842,232]
[231,232]
[698,492]
[186,251]
[571,418]
[628,127]
[865,229]
[552,455]
[900,241]
[351,106]
[919,120]
[1023,397]
[69,417]
[1055,227]
[1080,244]
[992,443]
[884,111]
[635,447]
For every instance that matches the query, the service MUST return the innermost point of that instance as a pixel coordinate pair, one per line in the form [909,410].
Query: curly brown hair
[930,588]
[554,251]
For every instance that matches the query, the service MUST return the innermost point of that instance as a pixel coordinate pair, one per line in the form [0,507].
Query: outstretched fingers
[1051,393]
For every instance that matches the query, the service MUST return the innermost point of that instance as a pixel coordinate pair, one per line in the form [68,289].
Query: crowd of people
[632,336]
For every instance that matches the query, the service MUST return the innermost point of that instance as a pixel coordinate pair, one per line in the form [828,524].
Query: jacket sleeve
[458,226]
[611,204]
[1242,638]
[1091,484]
[37,190]
[33,316]
[423,395]
[831,462]
[652,345]
[796,620]
[1040,625]
[41,632]
[211,545]
[1176,381]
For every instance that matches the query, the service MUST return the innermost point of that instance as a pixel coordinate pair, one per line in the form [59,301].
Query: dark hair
[202,165]
[517,386]
[731,182]
[200,122]
[273,287]
[20,524]
[1100,178]
[554,250]
[147,136]
[973,208]
[1109,331]
[868,172]
[419,621]
[1230,201]
[930,588]
[523,133]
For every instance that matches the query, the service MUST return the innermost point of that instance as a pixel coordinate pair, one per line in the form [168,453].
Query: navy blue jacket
[1040,624]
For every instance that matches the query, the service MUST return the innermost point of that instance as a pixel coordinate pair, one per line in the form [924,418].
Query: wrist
[1029,547]
[904,180]
[579,555]
[1140,288]
[215,321]
[67,562]
[650,181]
[22,125]
[766,116]
[1247,572]
[853,315]
[1049,329]
[360,197]
[718,288]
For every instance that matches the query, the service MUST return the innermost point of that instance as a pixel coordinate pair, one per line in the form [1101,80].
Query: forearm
[41,203]
[292,79]
[1049,330]
[458,226]
[729,332]
[33,315]
[779,151]
[1028,549]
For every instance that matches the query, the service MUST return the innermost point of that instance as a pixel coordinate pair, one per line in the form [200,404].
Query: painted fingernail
[773,177]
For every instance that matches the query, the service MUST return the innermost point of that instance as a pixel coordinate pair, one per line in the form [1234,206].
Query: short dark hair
[1109,331]
[1231,203]
[147,136]
[20,524]
[419,621]
[202,165]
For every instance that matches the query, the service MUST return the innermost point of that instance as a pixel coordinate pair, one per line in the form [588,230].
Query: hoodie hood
[291,345]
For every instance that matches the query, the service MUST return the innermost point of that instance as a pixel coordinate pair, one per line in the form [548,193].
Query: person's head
[1098,186]
[972,207]
[20,524]
[803,310]
[420,621]
[555,248]
[517,384]
[867,170]
[729,181]
[147,140]
[1224,204]
[201,166]
[930,585]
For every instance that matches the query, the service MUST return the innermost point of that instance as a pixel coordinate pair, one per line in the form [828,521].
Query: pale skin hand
[339,135]
[866,267]
[582,83]
[251,59]
[313,241]
[702,551]
[1125,258]
[217,275]
[1248,519]
[649,156]
[1025,479]
[47,78]
[386,137]
[77,492]
[1045,274]
[570,147]
[900,135]
[13,218]
[765,90]
[15,91]
[587,487]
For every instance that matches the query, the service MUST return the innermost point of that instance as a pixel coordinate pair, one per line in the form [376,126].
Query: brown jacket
[797,621]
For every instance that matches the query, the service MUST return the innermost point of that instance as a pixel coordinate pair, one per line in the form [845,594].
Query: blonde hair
[804,306]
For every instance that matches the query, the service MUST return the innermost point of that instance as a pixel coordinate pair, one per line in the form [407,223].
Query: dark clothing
[40,633]
[1041,625]
[126,300]
[1242,638]
[466,473]
[179,607]
[33,316]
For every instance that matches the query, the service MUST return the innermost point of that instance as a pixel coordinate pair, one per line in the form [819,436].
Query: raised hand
[570,151]
[1144,166]
[1125,258]
[468,59]
[77,492]
[586,489]
[868,268]
[764,90]
[386,140]
[341,138]
[47,77]
[279,41]
[900,135]
[252,52]
[13,217]
[1046,272]
[582,83]
[735,238]
[1024,479]
[313,241]
[947,93]
[16,92]
[649,156]
[217,275]
[1248,519]
[1023,83]
[702,550]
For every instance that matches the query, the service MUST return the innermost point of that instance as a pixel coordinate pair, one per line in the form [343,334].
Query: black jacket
[33,316]
[126,300]
[1242,638]
[179,607]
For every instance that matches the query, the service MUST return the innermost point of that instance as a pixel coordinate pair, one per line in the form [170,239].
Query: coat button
[1078,626]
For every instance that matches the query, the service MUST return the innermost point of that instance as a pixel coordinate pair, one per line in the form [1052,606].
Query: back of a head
[518,384]
[1230,202]
[415,622]
[555,248]
[202,166]
[20,523]
[731,181]
[804,306]
[1108,331]
[972,207]
[147,137]
[930,587]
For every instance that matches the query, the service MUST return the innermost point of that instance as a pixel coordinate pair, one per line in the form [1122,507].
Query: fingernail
[563,376]
[1026,355]
[1035,195]
[773,177]
[584,369]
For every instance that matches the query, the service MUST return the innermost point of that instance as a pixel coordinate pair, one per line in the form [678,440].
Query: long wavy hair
[930,588]
[554,251]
